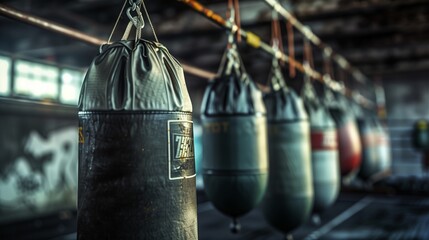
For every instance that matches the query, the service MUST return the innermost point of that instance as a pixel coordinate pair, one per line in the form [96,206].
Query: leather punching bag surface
[324,152]
[368,137]
[235,165]
[349,144]
[382,147]
[136,154]
[288,200]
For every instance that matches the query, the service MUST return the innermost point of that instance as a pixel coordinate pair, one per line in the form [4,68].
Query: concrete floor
[353,216]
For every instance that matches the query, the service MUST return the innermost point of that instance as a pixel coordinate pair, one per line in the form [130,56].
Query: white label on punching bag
[181,160]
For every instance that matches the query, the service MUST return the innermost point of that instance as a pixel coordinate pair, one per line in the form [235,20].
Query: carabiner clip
[138,21]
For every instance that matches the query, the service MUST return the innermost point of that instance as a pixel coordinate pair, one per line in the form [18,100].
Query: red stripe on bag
[324,140]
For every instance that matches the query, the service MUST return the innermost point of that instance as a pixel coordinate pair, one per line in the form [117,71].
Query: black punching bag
[288,200]
[235,165]
[324,151]
[136,154]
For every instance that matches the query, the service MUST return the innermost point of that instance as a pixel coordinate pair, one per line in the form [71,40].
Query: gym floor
[354,216]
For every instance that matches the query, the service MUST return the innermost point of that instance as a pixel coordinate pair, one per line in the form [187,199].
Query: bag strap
[231,61]
[308,92]
[277,80]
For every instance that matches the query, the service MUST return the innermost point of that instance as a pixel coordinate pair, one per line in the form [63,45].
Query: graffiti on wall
[41,171]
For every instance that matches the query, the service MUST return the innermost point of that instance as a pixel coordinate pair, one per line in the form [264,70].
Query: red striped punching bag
[349,144]
[324,150]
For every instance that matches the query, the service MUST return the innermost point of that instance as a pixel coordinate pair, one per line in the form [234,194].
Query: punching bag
[382,147]
[235,164]
[289,197]
[420,135]
[368,137]
[349,144]
[324,151]
[136,153]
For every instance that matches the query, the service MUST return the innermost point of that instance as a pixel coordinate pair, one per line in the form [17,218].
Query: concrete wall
[407,100]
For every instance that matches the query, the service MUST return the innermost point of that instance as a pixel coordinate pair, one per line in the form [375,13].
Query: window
[36,80]
[71,81]
[5,65]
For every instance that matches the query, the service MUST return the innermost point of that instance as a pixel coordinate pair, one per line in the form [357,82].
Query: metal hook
[231,23]
[138,21]
[134,3]
[277,80]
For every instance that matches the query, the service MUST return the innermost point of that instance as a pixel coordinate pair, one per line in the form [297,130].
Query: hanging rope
[234,10]
[237,19]
[117,21]
[150,22]
[295,65]
[291,49]
[137,20]
[308,53]
[276,36]
[327,66]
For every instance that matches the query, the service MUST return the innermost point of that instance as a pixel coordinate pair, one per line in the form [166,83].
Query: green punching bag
[235,164]
[289,197]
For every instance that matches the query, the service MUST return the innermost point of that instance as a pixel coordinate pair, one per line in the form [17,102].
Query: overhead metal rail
[55,27]
[326,49]
[251,39]
[255,41]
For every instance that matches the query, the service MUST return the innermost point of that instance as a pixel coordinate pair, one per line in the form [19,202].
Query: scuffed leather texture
[136,179]
[289,198]
[232,94]
[125,191]
[235,162]
[141,76]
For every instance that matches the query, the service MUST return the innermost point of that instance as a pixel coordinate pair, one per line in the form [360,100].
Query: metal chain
[138,20]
